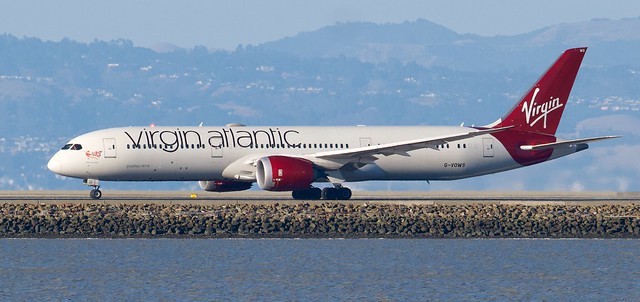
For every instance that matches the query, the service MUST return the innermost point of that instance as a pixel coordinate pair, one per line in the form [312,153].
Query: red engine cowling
[224,185]
[282,173]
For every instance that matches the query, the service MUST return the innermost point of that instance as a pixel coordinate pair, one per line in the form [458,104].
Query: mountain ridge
[409,43]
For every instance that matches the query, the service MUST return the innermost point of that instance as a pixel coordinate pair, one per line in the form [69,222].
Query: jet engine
[224,185]
[282,173]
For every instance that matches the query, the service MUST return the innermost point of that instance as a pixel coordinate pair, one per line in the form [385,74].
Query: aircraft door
[216,146]
[487,147]
[365,141]
[109,147]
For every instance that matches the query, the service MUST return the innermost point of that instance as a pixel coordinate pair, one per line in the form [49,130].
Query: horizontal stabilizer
[566,143]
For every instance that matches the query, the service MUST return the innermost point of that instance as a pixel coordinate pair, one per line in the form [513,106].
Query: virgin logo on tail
[540,109]
[535,111]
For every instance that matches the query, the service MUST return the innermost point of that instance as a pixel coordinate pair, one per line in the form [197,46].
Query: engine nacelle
[282,173]
[224,185]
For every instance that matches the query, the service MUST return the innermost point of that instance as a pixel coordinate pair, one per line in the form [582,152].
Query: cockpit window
[72,147]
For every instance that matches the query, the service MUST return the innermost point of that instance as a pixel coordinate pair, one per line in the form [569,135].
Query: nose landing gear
[95,193]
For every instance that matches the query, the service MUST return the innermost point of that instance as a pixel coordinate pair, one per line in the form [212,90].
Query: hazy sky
[225,24]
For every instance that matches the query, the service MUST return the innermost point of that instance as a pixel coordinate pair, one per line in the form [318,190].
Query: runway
[359,197]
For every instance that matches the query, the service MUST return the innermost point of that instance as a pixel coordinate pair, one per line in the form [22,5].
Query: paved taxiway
[381,197]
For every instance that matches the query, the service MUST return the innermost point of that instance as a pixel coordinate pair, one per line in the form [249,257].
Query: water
[323,269]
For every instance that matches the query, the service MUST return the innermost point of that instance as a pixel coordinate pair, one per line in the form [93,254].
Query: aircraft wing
[566,143]
[399,148]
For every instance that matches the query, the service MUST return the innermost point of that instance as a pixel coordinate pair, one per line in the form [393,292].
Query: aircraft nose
[55,164]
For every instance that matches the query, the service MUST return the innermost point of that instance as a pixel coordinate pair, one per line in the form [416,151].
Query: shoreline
[318,220]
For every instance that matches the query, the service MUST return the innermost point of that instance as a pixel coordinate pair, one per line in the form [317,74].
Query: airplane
[292,158]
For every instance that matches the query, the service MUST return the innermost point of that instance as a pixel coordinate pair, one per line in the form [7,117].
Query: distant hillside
[429,44]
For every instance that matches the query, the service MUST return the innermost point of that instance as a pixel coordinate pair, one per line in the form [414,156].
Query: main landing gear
[95,184]
[338,192]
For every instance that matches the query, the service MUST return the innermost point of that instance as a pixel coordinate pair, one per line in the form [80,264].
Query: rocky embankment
[319,220]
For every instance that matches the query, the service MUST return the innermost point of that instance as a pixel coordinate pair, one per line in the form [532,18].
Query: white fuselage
[229,153]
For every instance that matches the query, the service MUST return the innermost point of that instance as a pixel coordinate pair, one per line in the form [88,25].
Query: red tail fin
[541,108]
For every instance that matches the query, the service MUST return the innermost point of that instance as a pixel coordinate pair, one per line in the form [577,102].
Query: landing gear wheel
[336,193]
[330,193]
[310,193]
[344,193]
[95,194]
